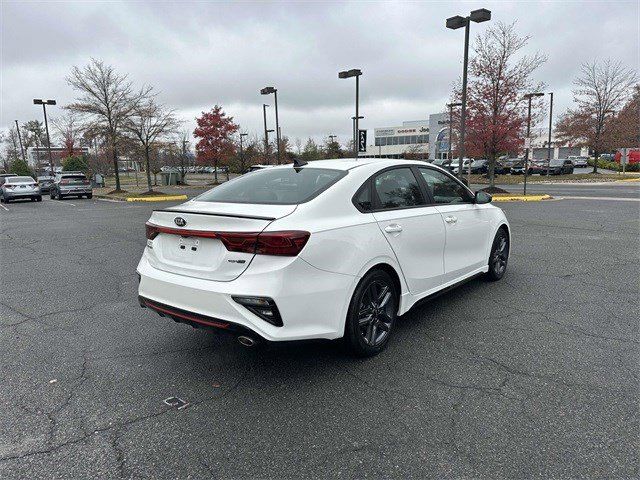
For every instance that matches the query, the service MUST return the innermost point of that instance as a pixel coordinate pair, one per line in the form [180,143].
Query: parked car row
[66,184]
[195,169]
[514,166]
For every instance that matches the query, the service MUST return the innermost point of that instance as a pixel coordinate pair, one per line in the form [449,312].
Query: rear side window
[275,186]
[397,188]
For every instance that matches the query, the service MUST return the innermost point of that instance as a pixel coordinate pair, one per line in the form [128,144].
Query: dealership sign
[398,131]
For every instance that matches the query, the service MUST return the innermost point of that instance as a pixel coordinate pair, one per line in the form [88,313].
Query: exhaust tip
[246,341]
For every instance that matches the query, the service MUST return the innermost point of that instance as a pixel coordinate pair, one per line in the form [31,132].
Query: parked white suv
[337,248]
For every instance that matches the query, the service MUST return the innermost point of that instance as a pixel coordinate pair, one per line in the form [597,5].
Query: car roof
[351,163]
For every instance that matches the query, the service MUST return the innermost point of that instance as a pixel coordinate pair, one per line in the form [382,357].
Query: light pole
[44,103]
[528,96]
[268,91]
[266,132]
[354,121]
[20,140]
[451,105]
[242,153]
[478,16]
[354,72]
[549,139]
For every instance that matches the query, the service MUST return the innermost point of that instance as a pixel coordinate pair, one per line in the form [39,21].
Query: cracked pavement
[532,376]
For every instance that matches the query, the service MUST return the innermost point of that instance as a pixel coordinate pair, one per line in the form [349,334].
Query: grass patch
[573,178]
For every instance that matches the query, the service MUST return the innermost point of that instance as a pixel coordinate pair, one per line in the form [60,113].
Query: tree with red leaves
[215,144]
[498,81]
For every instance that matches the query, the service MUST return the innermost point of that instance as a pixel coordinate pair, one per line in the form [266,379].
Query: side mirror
[482,197]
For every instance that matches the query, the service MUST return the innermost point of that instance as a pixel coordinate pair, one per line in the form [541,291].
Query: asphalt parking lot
[532,376]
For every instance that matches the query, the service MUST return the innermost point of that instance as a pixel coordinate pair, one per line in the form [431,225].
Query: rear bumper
[30,194]
[312,303]
[75,191]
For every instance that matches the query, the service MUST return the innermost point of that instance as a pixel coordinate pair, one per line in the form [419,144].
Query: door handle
[393,228]
[451,219]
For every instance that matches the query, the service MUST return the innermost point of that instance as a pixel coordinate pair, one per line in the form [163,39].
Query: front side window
[274,186]
[397,188]
[443,188]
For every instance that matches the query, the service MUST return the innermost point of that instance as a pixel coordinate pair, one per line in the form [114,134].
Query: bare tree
[149,122]
[107,98]
[600,89]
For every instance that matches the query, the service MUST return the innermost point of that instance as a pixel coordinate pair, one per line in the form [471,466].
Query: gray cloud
[198,54]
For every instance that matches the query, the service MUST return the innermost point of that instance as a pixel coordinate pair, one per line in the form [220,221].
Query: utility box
[169,178]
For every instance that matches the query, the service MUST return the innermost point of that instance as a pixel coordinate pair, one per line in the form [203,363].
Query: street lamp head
[268,90]
[51,102]
[37,101]
[451,105]
[536,94]
[354,72]
[269,131]
[480,15]
[456,22]
[244,134]
[360,117]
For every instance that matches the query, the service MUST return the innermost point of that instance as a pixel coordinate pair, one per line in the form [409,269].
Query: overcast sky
[202,53]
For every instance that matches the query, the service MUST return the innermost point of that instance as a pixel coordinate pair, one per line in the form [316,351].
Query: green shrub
[616,167]
[20,167]
[75,164]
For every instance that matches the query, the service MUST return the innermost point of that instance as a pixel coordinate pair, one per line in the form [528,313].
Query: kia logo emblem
[181,222]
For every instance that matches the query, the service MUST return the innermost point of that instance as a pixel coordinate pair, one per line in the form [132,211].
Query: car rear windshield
[74,177]
[20,180]
[275,186]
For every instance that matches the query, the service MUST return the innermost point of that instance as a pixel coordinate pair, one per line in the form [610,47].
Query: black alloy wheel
[372,313]
[499,256]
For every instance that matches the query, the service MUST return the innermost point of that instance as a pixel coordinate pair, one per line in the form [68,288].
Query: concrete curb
[521,198]
[164,198]
[626,180]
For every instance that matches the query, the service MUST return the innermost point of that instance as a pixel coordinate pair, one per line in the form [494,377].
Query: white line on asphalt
[613,199]
[4,207]
[109,200]
[60,202]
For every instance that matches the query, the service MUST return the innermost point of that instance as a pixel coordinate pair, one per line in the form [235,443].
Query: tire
[59,196]
[52,195]
[499,256]
[90,195]
[39,198]
[371,315]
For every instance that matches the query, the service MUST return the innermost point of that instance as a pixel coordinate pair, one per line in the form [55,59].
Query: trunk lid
[197,252]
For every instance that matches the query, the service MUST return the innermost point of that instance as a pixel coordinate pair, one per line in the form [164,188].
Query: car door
[467,224]
[413,228]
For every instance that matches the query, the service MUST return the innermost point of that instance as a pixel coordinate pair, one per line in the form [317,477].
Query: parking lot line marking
[4,207]
[613,199]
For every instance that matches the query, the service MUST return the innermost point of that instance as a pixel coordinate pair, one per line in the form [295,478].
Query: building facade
[38,157]
[411,139]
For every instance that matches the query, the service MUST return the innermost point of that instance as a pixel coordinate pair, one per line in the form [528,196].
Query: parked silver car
[19,187]
[68,184]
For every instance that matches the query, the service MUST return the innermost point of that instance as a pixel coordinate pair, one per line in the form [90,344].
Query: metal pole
[450,130]
[463,114]
[275,94]
[266,135]
[549,146]
[526,155]
[241,156]
[20,140]
[46,126]
[355,128]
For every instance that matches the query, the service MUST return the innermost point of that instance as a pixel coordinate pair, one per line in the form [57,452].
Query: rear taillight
[151,230]
[287,243]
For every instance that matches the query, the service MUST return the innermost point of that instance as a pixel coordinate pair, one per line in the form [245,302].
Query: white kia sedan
[331,249]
